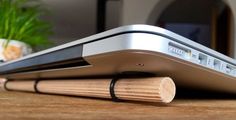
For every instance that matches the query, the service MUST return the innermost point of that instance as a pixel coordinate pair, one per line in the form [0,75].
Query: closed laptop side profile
[136,48]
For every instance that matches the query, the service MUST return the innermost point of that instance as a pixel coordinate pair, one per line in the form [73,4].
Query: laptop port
[217,64]
[179,50]
[202,59]
[230,69]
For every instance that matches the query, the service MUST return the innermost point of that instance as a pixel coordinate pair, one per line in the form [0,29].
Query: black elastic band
[35,86]
[5,85]
[112,89]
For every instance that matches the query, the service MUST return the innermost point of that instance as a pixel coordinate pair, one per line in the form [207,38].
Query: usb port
[202,59]
[216,64]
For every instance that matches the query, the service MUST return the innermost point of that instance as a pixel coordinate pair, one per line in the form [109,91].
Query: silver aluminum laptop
[139,48]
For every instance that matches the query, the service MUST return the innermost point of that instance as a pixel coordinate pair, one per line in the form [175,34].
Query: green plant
[20,20]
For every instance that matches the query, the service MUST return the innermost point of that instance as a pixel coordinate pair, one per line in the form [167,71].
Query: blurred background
[208,22]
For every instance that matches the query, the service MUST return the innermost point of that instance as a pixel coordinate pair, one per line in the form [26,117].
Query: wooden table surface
[28,106]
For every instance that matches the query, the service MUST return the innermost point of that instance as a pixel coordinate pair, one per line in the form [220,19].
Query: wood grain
[31,106]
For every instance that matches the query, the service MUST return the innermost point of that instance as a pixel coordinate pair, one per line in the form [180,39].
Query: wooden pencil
[153,89]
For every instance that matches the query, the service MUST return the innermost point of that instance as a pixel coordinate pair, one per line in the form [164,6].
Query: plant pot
[14,50]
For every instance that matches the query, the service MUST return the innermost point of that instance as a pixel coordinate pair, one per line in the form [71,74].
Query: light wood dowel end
[167,90]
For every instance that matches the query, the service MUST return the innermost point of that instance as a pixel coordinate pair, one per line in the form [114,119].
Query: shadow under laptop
[190,93]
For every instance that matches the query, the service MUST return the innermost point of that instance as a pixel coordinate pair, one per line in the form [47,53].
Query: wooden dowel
[27,86]
[2,82]
[148,89]
[154,89]
[83,87]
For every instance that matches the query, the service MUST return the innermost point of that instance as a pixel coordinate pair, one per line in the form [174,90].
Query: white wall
[136,11]
[72,19]
[113,14]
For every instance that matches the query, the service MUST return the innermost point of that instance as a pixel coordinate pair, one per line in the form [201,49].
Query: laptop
[136,48]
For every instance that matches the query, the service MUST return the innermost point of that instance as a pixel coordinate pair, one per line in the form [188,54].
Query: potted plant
[21,28]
